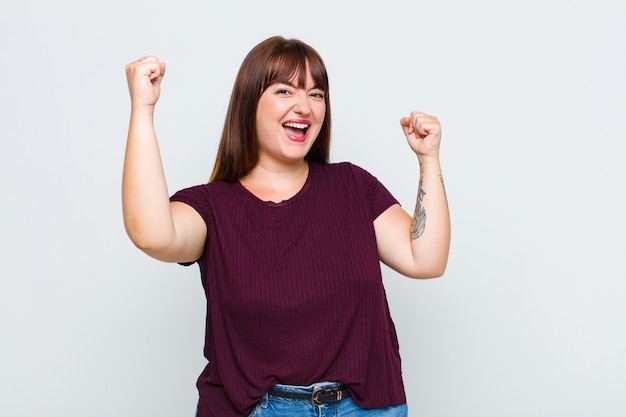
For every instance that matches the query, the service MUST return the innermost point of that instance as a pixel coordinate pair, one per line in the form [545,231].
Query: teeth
[296,125]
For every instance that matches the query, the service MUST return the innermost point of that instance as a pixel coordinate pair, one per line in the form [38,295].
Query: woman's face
[288,120]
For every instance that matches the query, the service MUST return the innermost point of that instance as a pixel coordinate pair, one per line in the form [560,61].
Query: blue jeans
[273,406]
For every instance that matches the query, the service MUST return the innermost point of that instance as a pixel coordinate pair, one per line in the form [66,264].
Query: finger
[142,62]
[422,127]
[406,125]
[148,58]
[416,120]
[425,124]
[158,71]
[148,66]
[151,66]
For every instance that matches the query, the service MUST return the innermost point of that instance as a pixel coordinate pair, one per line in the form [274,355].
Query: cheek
[263,118]
[320,112]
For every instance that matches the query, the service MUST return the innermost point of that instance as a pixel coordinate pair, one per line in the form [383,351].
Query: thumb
[154,70]
[158,72]
[406,125]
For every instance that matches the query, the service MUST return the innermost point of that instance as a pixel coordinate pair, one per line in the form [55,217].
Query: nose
[302,105]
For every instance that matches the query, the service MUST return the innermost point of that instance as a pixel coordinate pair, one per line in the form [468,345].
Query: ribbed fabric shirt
[294,291]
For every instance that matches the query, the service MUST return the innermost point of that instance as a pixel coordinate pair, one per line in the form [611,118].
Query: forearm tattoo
[419,216]
[443,185]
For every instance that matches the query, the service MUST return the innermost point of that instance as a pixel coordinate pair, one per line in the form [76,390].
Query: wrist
[139,112]
[428,160]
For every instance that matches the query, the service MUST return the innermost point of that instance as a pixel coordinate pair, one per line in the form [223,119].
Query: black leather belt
[318,397]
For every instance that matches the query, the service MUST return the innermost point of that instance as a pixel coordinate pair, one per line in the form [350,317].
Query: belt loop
[264,400]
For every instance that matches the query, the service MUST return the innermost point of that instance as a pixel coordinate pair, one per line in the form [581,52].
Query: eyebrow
[292,85]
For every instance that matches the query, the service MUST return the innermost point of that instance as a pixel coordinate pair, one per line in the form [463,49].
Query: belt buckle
[319,391]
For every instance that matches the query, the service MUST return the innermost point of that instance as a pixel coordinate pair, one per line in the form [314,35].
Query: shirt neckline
[290,200]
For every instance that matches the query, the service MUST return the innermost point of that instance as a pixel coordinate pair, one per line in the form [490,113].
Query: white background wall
[529,319]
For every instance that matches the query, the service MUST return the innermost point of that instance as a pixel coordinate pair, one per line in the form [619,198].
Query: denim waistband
[308,389]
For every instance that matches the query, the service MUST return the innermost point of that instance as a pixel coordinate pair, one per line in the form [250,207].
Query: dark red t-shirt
[294,291]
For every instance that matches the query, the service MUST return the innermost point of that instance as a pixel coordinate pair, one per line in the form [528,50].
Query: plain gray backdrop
[529,318]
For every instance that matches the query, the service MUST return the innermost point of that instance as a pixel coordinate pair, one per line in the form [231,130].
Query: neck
[271,183]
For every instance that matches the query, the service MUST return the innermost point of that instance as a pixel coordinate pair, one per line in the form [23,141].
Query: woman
[289,245]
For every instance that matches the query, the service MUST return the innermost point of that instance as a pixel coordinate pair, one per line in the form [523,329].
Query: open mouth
[296,129]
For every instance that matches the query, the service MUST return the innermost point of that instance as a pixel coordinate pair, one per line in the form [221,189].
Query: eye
[282,90]
[318,94]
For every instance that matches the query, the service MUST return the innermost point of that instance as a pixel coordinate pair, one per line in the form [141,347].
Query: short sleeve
[378,196]
[198,198]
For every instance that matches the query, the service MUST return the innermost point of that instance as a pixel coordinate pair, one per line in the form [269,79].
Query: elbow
[146,242]
[430,272]
[152,248]
[438,273]
[431,266]
[141,242]
[440,269]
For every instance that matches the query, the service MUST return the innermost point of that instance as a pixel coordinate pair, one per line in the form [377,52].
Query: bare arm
[418,246]
[172,232]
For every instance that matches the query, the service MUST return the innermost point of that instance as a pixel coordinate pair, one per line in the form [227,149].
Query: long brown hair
[274,60]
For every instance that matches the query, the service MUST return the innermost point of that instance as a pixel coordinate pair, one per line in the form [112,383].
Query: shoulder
[204,190]
[205,198]
[355,179]
[352,172]
[347,178]
[338,169]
